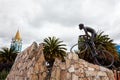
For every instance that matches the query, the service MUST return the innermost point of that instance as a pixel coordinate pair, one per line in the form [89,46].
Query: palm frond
[53,48]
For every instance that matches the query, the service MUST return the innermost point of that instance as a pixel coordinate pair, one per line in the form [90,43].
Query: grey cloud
[41,18]
[70,13]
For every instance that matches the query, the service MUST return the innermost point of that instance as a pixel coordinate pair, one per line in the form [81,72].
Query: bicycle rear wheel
[104,58]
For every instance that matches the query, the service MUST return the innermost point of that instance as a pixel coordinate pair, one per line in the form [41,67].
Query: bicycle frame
[90,44]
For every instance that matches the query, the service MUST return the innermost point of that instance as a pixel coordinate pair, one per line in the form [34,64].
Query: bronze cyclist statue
[100,56]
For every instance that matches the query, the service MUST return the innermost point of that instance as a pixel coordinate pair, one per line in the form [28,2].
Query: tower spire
[17,35]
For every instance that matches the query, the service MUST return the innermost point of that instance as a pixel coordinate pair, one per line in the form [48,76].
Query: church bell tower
[17,42]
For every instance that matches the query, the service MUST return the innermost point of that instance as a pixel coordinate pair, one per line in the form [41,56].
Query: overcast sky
[38,19]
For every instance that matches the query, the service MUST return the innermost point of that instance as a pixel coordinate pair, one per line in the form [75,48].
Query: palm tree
[101,41]
[53,48]
[107,44]
[8,54]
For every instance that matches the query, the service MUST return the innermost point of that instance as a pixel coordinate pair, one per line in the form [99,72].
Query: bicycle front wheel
[74,48]
[104,58]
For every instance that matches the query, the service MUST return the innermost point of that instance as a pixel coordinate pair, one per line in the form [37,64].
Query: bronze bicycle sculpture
[100,56]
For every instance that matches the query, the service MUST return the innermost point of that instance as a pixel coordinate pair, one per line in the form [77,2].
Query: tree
[53,48]
[8,54]
[107,44]
[104,42]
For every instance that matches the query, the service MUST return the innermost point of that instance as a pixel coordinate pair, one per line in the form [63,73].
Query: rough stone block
[74,77]
[62,66]
[67,63]
[70,55]
[57,76]
[77,72]
[101,73]
[103,68]
[94,66]
[91,73]
[82,75]
[71,69]
[76,65]
[104,78]
[53,73]
[63,75]
[75,56]
[69,76]
[91,69]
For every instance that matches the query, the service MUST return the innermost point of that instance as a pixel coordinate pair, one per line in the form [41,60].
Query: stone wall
[30,65]
[78,69]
